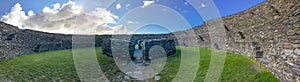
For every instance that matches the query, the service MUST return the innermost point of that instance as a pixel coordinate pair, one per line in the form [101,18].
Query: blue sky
[125,7]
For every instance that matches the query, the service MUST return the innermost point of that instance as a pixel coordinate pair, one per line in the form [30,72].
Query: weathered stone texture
[122,47]
[14,42]
[268,33]
[167,44]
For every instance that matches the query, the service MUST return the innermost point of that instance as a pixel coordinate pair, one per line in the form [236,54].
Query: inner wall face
[267,33]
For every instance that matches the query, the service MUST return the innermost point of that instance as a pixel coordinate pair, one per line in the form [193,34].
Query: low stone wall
[167,44]
[119,46]
[268,33]
[15,42]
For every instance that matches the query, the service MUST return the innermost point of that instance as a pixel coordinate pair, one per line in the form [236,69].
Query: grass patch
[59,66]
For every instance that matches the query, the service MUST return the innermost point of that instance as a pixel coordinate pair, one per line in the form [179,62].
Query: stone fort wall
[15,42]
[268,33]
[114,46]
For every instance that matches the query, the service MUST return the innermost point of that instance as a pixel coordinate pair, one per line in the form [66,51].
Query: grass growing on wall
[59,66]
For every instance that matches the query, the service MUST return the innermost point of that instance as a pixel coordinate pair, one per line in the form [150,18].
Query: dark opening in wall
[296,13]
[275,10]
[226,27]
[51,38]
[256,48]
[216,46]
[254,43]
[201,38]
[252,13]
[11,36]
[242,35]
[259,54]
[37,48]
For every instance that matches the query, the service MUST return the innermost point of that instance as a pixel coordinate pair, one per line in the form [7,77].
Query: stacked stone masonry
[145,44]
[268,33]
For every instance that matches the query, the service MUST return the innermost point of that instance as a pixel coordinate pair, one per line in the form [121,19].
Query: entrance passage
[138,56]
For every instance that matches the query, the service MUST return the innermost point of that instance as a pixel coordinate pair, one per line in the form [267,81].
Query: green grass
[59,66]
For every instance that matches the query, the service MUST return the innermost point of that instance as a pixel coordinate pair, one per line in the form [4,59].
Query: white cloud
[66,18]
[202,5]
[15,17]
[56,6]
[147,3]
[132,22]
[120,29]
[48,10]
[118,6]
[30,13]
[186,3]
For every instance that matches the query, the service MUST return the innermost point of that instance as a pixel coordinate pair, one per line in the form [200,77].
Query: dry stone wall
[113,46]
[268,33]
[167,44]
[15,42]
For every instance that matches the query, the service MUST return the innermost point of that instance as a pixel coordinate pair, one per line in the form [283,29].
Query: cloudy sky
[114,17]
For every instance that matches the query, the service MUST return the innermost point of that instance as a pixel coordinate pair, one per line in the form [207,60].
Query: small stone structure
[15,42]
[268,33]
[143,44]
